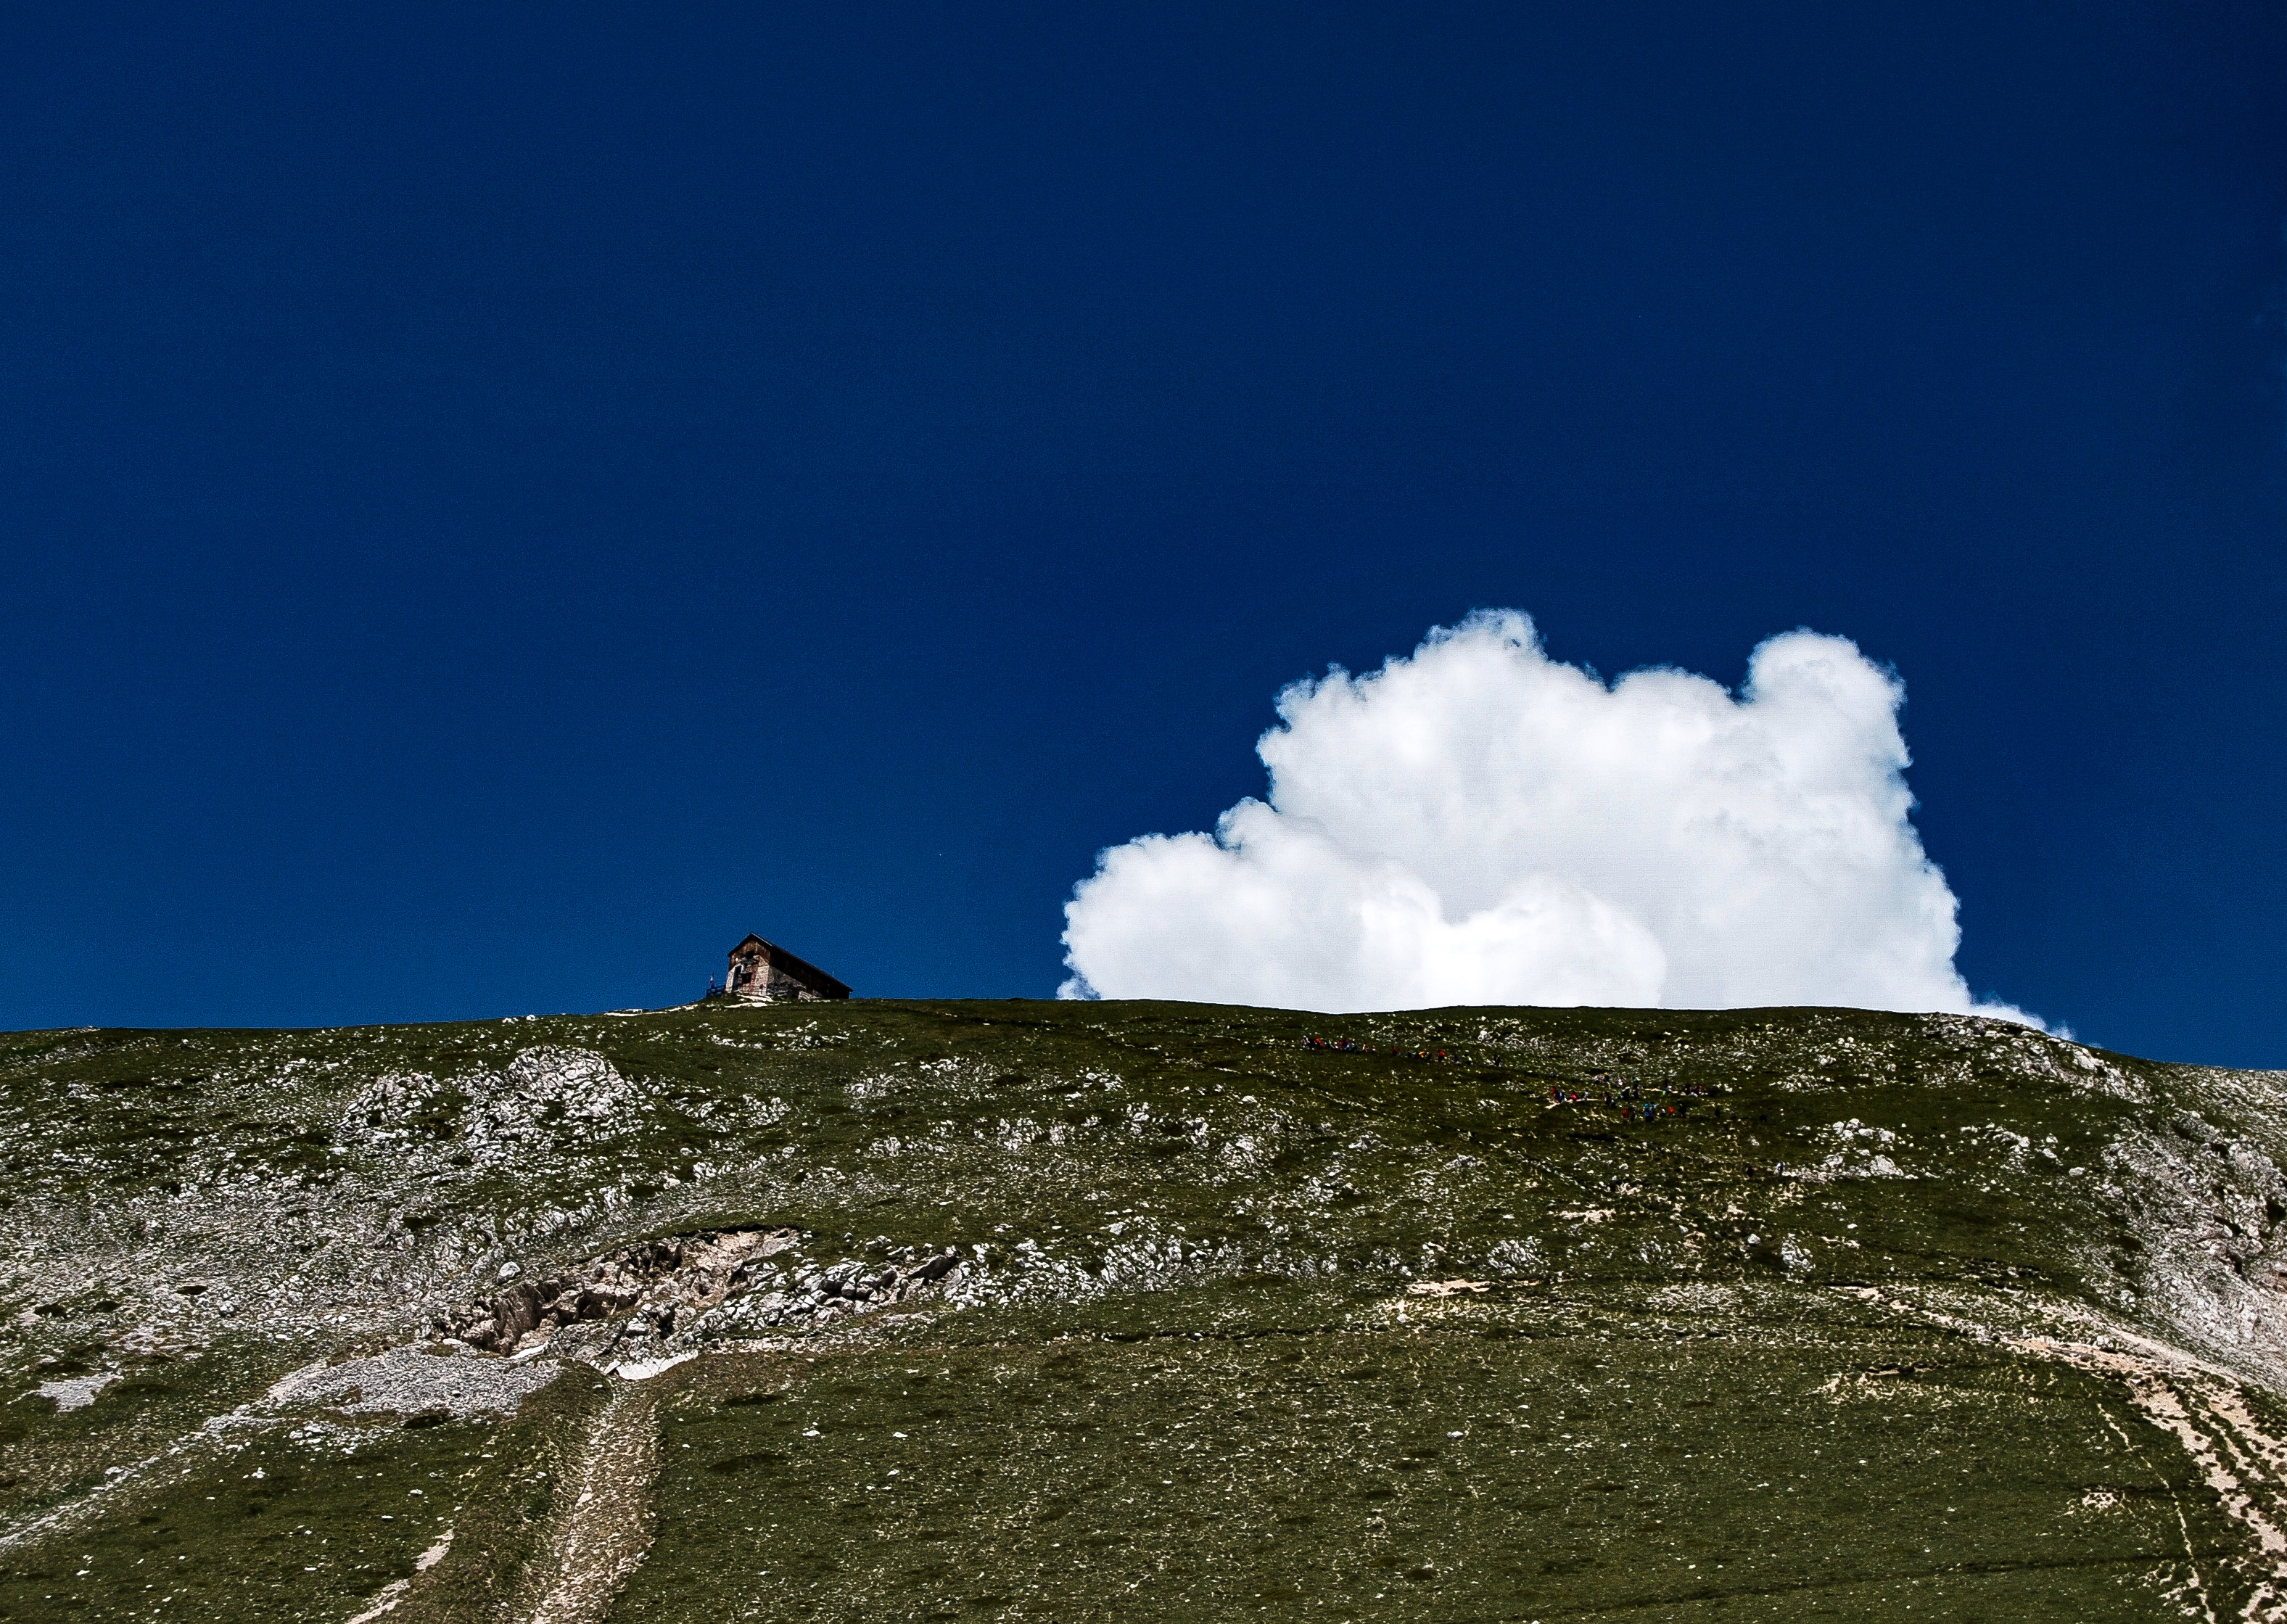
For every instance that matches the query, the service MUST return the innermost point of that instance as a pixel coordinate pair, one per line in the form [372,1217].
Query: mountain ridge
[361,1256]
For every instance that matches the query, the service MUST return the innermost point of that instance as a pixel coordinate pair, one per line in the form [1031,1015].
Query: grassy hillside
[1017,1310]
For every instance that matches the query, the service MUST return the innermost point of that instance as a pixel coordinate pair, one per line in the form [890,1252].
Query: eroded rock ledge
[680,1291]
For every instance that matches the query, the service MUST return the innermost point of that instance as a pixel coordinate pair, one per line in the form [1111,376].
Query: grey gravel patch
[412,1381]
[76,1392]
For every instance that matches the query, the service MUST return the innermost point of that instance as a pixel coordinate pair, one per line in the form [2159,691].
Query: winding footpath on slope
[604,1527]
[2199,1405]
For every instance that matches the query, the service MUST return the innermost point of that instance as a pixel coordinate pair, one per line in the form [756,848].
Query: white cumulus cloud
[1478,823]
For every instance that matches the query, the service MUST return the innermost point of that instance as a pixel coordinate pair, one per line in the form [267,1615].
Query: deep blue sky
[499,502]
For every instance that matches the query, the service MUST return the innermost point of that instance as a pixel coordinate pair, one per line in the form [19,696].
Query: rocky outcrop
[671,1278]
[680,1291]
[815,1297]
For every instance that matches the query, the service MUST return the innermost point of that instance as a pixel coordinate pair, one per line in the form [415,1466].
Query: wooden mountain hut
[762,973]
